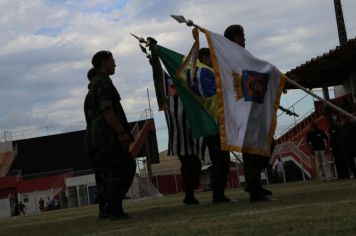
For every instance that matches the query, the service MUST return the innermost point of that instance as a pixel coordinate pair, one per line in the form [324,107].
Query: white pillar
[36,209]
[266,174]
[86,186]
[60,200]
[67,195]
[284,176]
[76,187]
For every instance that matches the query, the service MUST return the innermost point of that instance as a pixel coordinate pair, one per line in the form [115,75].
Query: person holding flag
[243,110]
[248,92]
[219,158]
[181,143]
[253,163]
[197,96]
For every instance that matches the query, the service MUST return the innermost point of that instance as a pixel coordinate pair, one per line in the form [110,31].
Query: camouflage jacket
[102,95]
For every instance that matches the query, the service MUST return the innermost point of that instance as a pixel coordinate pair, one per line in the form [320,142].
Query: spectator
[280,170]
[41,203]
[348,134]
[337,149]
[48,204]
[21,207]
[317,142]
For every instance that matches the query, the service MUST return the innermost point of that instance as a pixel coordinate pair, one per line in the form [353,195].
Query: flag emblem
[254,86]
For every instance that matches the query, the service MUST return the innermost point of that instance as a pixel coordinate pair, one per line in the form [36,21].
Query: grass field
[310,208]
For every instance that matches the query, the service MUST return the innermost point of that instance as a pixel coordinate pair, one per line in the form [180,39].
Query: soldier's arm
[103,96]
[114,123]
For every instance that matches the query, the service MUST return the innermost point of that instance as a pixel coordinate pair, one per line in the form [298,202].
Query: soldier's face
[207,61]
[240,40]
[109,66]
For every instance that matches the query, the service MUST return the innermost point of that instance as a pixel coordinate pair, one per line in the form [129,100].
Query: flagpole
[329,104]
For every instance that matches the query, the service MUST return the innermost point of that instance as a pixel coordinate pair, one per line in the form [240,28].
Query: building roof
[330,69]
[8,185]
[8,182]
[60,152]
[37,184]
[15,184]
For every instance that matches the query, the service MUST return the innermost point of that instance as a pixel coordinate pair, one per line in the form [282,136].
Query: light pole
[340,22]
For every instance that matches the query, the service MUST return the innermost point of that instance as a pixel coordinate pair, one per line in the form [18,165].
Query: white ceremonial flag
[248,91]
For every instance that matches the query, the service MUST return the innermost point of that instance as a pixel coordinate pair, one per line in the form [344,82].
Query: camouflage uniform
[114,166]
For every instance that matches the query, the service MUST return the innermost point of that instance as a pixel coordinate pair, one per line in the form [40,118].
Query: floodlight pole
[340,22]
[342,35]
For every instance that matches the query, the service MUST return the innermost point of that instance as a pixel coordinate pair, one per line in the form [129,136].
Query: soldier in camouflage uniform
[91,154]
[108,138]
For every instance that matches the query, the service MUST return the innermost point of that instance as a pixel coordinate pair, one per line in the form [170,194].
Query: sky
[46,48]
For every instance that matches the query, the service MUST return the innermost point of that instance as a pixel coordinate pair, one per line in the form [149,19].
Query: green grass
[310,208]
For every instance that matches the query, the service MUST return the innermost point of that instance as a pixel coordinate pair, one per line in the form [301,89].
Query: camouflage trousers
[220,160]
[190,171]
[114,173]
[253,165]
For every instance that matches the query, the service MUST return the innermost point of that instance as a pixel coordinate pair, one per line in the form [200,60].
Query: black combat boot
[257,194]
[219,196]
[258,197]
[264,191]
[116,211]
[103,211]
[190,198]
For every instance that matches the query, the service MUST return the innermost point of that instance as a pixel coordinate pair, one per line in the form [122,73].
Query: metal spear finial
[140,39]
[181,19]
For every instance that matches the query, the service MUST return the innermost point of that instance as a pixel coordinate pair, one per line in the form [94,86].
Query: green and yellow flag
[201,110]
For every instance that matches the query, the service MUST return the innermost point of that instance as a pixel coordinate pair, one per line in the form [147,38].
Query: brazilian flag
[202,112]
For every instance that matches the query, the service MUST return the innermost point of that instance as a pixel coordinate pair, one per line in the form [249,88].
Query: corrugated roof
[330,69]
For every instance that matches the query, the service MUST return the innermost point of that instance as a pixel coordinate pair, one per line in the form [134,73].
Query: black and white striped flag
[181,141]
